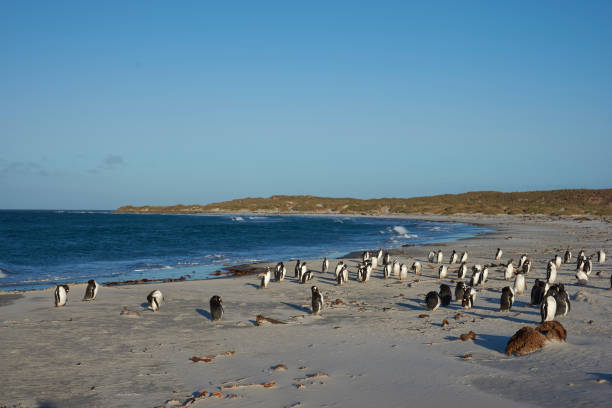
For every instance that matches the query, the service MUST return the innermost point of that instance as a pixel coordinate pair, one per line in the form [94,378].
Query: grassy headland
[561,202]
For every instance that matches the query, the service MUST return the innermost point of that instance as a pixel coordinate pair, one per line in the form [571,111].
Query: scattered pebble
[422,316]
[468,336]
[466,356]
[601,380]
[445,323]
[279,367]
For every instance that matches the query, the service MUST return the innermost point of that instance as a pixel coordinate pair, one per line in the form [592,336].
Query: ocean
[39,249]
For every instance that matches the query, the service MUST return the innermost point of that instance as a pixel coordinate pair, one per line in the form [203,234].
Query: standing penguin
[588,266]
[340,279]
[442,271]
[325,265]
[548,308]
[563,301]
[551,272]
[582,278]
[459,291]
[527,266]
[431,256]
[339,267]
[522,260]
[379,256]
[464,256]
[567,258]
[538,291]
[317,300]
[155,299]
[416,267]
[265,278]
[498,254]
[216,307]
[303,270]
[403,275]
[396,268]
[61,295]
[297,269]
[475,275]
[446,295]
[519,284]
[440,257]
[365,256]
[306,276]
[387,270]
[345,273]
[453,258]
[484,275]
[432,300]
[462,271]
[601,256]
[558,261]
[469,297]
[374,262]
[509,272]
[507,299]
[91,291]
[279,272]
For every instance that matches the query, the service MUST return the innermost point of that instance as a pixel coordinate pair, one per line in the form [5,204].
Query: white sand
[374,350]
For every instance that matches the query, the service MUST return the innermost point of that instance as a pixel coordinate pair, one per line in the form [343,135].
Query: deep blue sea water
[42,248]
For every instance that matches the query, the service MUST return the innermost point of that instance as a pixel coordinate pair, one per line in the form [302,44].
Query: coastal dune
[374,344]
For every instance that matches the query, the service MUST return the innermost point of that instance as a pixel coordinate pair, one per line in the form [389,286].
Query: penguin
[507,299]
[522,260]
[61,295]
[580,264]
[509,272]
[563,301]
[374,262]
[446,295]
[567,258]
[306,276]
[551,272]
[403,275]
[442,271]
[368,271]
[462,271]
[484,275]
[601,256]
[558,261]
[216,307]
[548,309]
[303,270]
[519,284]
[416,267]
[432,300]
[297,269]
[155,299]
[538,291]
[464,256]
[317,300]
[526,266]
[396,268]
[498,254]
[365,256]
[582,277]
[387,270]
[581,254]
[453,258]
[469,297]
[325,265]
[440,257]
[379,256]
[345,273]
[265,278]
[386,258]
[588,266]
[339,267]
[475,276]
[361,272]
[91,291]
[431,256]
[279,272]
[459,291]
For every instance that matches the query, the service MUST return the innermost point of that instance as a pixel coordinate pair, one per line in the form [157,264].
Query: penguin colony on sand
[551,297]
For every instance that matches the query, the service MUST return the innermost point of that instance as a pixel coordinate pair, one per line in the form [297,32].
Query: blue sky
[110,103]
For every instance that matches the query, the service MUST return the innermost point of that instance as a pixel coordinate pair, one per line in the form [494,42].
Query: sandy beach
[371,345]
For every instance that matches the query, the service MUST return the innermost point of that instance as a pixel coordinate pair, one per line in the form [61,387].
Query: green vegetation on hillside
[561,202]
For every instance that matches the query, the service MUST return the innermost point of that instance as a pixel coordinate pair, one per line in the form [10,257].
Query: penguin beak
[262,275]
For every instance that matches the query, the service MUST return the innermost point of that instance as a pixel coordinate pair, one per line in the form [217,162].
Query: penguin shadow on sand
[499,315]
[298,307]
[416,304]
[253,285]
[205,313]
[326,281]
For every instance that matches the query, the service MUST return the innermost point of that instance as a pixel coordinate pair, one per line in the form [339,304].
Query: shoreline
[373,342]
[249,268]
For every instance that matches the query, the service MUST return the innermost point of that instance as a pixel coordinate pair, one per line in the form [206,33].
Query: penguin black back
[459,291]
[446,295]
[216,307]
[317,300]
[507,299]
[432,300]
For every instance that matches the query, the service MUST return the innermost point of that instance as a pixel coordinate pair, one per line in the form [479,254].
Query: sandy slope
[372,345]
